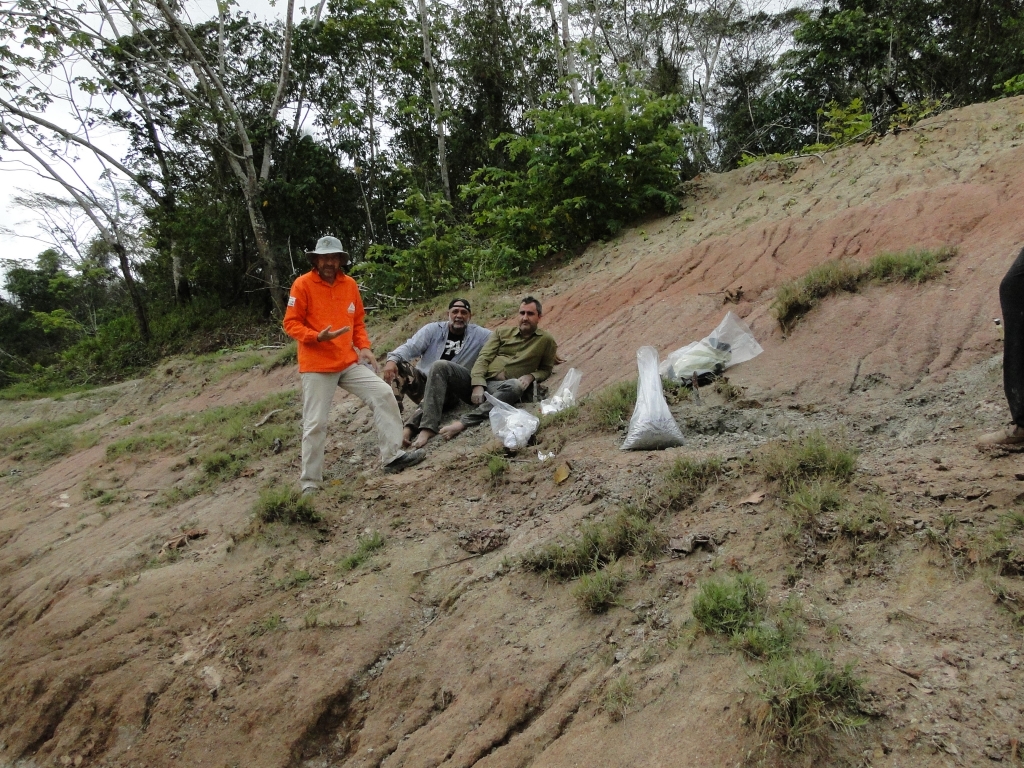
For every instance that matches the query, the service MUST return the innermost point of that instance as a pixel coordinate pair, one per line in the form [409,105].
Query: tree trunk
[435,95]
[570,60]
[558,40]
[133,290]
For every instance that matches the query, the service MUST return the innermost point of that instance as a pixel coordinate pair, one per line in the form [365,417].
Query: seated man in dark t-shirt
[455,342]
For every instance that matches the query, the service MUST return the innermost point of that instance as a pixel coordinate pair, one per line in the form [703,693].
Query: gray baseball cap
[327,245]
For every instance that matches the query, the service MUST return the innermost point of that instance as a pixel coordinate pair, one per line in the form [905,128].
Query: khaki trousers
[318,393]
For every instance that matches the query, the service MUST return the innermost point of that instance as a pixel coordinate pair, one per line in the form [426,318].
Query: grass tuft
[730,606]
[599,544]
[563,417]
[283,504]
[810,457]
[912,266]
[155,441]
[497,466]
[612,407]
[807,697]
[687,479]
[796,298]
[810,500]
[618,698]
[366,546]
[597,592]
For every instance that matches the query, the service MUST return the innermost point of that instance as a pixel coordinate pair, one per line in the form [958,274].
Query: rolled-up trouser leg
[508,391]
[387,420]
[317,394]
[1011,299]
[447,384]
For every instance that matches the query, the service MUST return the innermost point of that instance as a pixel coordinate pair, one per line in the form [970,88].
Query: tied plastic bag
[652,426]
[565,396]
[731,343]
[513,426]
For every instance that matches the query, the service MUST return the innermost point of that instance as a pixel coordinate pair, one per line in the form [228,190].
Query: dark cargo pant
[449,384]
[1011,299]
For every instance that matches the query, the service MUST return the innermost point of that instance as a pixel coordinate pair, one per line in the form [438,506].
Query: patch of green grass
[294,579]
[727,389]
[365,546]
[288,355]
[46,438]
[145,443]
[612,407]
[795,299]
[773,636]
[497,466]
[869,518]
[283,504]
[599,544]
[687,479]
[730,606]
[565,416]
[809,500]
[618,697]
[267,624]
[810,457]
[244,363]
[597,592]
[912,266]
[807,698]
[222,465]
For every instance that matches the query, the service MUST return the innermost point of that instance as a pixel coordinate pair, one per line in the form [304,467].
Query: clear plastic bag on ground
[652,426]
[513,426]
[565,397]
[731,343]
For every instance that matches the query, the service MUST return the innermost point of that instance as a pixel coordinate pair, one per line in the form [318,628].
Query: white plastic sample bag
[731,343]
[652,426]
[513,426]
[565,397]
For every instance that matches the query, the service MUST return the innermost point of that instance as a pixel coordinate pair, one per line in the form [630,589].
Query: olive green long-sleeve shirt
[509,353]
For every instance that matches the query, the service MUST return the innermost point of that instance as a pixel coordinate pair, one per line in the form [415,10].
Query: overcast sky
[18,228]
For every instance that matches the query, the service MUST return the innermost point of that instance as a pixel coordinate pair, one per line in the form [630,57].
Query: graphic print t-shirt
[452,347]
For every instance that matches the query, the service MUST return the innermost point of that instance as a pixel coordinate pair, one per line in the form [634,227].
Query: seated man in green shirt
[510,362]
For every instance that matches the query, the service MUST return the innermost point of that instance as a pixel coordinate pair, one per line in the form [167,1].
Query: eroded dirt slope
[252,647]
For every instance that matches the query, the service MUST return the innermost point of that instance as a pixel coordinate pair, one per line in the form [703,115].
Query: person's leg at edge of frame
[317,394]
[387,420]
[1011,301]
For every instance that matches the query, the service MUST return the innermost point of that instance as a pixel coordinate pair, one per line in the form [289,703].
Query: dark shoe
[1011,435]
[406,460]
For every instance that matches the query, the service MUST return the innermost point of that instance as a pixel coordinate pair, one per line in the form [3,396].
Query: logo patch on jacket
[291,301]
[352,308]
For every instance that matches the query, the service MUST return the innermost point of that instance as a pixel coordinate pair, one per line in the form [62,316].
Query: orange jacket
[312,306]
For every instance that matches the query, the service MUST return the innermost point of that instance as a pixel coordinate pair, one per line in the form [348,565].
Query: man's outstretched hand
[327,334]
[389,371]
[478,395]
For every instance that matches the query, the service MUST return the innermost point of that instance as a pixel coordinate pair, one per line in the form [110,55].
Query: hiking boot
[1011,435]
[406,460]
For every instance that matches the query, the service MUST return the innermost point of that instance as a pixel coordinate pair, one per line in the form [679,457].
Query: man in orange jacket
[325,316]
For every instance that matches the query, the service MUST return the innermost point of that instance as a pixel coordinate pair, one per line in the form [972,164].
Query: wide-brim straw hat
[326,245]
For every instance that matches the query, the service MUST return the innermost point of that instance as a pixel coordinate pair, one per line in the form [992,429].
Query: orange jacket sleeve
[295,323]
